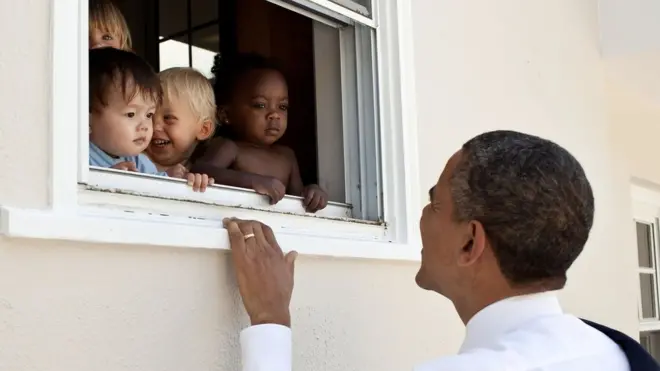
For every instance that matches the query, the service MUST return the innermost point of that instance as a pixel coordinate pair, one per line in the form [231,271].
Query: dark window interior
[231,26]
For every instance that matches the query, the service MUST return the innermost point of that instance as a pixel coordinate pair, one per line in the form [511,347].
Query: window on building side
[648,285]
[327,52]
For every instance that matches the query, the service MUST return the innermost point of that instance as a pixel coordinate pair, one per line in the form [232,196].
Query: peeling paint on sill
[379,222]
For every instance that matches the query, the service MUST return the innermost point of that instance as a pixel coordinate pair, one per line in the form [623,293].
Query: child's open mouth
[160,142]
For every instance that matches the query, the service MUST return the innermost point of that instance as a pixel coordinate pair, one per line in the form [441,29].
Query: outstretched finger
[259,238]
[291,261]
[270,237]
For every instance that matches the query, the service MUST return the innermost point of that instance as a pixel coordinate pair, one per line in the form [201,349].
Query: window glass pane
[359,6]
[647,288]
[651,342]
[174,53]
[172,17]
[206,44]
[645,341]
[645,244]
[204,11]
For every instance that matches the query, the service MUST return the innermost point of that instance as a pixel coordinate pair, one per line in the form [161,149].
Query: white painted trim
[396,81]
[335,10]
[66,63]
[354,6]
[649,326]
[83,92]
[116,181]
[308,14]
[645,192]
[122,228]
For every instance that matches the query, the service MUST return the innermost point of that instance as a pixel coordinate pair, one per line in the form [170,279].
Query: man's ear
[206,130]
[475,244]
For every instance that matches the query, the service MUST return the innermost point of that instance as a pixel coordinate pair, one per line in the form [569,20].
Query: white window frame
[646,209]
[113,209]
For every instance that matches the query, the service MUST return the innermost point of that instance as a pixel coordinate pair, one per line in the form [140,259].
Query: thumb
[290,259]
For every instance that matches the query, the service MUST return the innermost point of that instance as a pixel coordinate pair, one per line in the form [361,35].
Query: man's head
[508,207]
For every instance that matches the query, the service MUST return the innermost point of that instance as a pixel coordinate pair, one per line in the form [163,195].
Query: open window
[327,50]
[354,81]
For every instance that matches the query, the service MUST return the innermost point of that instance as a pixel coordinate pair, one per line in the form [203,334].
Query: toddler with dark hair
[253,102]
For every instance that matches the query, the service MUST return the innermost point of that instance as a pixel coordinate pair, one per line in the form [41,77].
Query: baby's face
[102,39]
[177,131]
[122,128]
[259,110]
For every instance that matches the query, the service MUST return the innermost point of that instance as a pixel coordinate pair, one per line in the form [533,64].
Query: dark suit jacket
[638,358]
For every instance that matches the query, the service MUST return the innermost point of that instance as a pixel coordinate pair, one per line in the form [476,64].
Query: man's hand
[263,272]
[125,165]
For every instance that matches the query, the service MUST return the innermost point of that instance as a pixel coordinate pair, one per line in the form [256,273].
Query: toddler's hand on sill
[270,187]
[199,182]
[125,166]
[314,198]
[177,171]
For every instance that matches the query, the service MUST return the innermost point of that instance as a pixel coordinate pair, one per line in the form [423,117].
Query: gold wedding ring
[248,236]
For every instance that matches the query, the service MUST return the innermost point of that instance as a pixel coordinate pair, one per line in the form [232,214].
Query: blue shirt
[97,157]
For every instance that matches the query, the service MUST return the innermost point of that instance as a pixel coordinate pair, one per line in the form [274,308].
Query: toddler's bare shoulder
[284,150]
[221,144]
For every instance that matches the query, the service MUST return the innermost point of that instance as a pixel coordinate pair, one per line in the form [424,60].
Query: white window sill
[137,184]
[648,326]
[113,216]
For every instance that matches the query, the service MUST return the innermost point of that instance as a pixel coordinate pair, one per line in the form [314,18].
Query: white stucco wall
[480,65]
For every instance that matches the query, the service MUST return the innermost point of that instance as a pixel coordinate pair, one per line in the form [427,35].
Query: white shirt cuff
[266,348]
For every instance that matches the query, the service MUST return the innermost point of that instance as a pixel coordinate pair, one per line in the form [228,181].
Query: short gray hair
[533,199]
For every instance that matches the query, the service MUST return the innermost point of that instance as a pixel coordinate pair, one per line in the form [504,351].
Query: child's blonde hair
[106,17]
[189,84]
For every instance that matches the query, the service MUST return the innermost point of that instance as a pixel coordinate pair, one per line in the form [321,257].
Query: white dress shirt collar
[506,315]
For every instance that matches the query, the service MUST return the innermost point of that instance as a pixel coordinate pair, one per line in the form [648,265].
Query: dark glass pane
[647,288]
[645,244]
[172,17]
[204,11]
[645,341]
